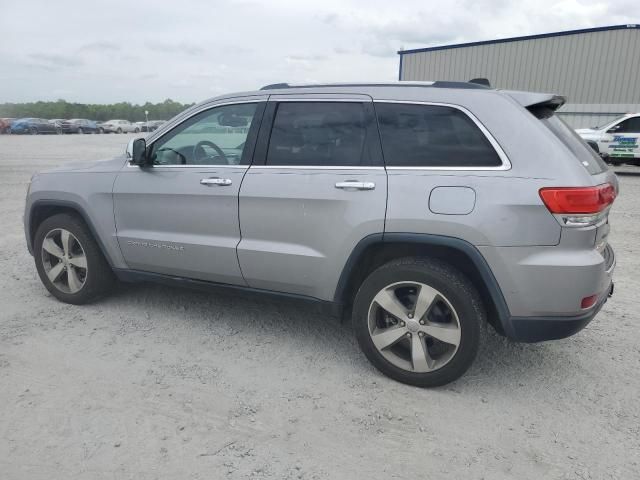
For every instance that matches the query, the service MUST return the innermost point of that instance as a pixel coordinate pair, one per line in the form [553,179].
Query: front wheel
[69,261]
[418,321]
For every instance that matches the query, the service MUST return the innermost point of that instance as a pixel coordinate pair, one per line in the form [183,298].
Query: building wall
[598,72]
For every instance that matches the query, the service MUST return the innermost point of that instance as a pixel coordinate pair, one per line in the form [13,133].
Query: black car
[82,125]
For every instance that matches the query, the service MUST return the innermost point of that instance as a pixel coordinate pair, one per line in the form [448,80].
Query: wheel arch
[43,209]
[377,249]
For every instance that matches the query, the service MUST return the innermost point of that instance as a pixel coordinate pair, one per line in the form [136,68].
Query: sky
[189,50]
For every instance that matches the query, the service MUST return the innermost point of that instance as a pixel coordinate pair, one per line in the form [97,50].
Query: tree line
[93,111]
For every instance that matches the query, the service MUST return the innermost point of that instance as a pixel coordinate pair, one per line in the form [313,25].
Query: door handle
[219,182]
[355,185]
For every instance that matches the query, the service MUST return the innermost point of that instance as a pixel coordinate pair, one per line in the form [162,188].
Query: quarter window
[318,134]
[432,136]
[214,137]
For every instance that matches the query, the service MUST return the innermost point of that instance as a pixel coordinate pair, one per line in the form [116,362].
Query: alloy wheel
[414,326]
[64,260]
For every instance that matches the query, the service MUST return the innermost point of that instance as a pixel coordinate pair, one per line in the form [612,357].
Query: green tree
[123,110]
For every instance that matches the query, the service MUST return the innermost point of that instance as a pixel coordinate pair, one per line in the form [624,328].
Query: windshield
[610,122]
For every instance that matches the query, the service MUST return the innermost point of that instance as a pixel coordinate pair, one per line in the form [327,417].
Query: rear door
[316,188]
[180,215]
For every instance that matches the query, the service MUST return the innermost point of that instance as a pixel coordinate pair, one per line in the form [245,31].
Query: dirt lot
[156,382]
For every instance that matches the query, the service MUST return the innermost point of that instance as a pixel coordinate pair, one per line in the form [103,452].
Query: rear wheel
[418,321]
[69,261]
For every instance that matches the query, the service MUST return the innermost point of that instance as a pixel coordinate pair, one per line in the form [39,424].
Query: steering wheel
[202,143]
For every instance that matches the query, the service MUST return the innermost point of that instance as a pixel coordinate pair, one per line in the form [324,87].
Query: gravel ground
[155,382]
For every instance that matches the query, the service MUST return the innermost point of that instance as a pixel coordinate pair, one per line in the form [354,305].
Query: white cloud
[192,49]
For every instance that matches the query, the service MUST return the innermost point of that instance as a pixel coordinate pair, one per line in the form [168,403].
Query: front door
[316,188]
[179,216]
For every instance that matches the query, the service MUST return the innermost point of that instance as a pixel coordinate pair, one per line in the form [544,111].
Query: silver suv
[420,210]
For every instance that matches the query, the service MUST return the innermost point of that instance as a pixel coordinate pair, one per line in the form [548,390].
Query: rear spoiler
[542,105]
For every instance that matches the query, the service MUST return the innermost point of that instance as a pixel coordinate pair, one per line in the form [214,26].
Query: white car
[120,126]
[618,140]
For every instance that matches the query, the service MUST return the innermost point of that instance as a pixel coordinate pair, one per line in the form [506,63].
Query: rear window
[432,136]
[583,152]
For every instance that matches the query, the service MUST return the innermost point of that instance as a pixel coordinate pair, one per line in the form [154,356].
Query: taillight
[578,206]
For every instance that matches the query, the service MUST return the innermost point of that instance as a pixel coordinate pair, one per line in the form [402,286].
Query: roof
[526,37]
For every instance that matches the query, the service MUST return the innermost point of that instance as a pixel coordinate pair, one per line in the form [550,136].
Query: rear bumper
[539,329]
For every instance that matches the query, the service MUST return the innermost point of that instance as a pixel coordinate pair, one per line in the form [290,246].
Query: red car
[5,124]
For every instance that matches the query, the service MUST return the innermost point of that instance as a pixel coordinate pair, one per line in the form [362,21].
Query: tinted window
[213,137]
[318,134]
[583,152]
[432,136]
[631,125]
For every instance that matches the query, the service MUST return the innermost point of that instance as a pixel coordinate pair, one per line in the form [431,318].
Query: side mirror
[137,152]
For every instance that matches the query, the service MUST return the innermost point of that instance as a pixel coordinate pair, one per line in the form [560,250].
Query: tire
[96,278]
[33,131]
[119,130]
[456,303]
[80,131]
[137,130]
[101,130]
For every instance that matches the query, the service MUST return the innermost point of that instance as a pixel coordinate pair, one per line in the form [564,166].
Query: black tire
[99,278]
[458,290]
[137,130]
[80,131]
[119,130]
[33,131]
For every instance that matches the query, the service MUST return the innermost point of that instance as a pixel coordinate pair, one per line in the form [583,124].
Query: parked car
[82,125]
[410,208]
[152,125]
[34,126]
[617,141]
[149,126]
[5,125]
[119,126]
[62,125]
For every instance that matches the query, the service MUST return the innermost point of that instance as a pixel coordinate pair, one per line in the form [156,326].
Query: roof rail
[481,81]
[473,84]
[275,85]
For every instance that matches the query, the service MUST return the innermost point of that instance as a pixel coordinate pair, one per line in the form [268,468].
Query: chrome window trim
[506,163]
[180,121]
[243,167]
[313,167]
[279,99]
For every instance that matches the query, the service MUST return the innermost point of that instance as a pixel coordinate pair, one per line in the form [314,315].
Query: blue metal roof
[516,39]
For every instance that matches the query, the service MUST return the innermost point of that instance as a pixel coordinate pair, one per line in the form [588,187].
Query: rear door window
[432,136]
[318,134]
